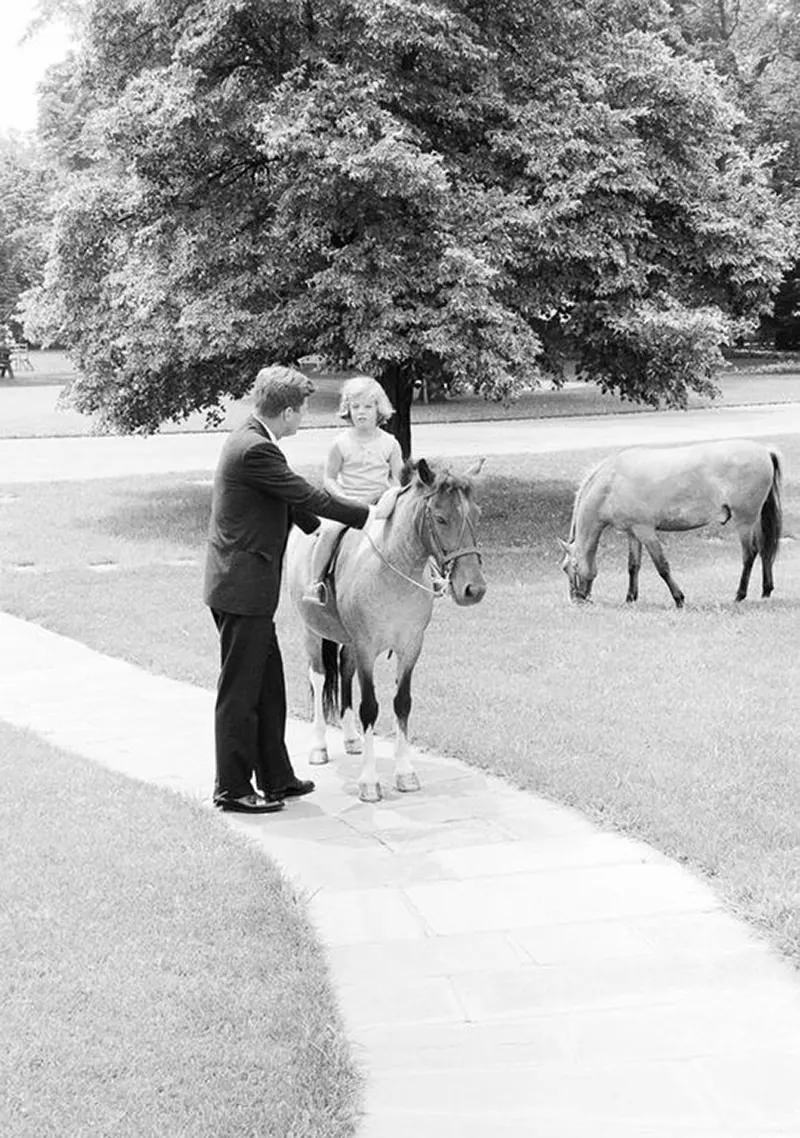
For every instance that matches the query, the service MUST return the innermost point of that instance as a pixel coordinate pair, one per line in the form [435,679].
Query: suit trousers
[250,712]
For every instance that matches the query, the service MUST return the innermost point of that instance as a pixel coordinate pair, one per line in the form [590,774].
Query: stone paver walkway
[504,968]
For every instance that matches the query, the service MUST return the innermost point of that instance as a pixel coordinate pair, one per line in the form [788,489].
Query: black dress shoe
[293,790]
[251,804]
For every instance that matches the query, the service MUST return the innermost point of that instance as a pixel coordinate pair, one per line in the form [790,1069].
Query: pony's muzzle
[471,593]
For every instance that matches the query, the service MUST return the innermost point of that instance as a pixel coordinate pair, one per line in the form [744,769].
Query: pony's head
[447,526]
[580,576]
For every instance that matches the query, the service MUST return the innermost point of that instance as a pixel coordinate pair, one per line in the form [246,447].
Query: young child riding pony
[363,462]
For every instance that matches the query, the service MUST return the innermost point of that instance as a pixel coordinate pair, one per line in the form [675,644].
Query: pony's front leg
[405,777]
[319,747]
[369,788]
[656,551]
[352,739]
[634,565]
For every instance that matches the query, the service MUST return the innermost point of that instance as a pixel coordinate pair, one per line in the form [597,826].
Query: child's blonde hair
[365,385]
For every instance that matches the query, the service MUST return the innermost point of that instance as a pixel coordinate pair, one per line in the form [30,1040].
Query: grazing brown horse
[380,599]
[647,489]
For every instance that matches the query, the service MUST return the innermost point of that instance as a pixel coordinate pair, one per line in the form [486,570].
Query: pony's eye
[440,519]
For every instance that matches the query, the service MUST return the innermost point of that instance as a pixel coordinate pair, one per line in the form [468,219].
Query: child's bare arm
[333,465]
[395,464]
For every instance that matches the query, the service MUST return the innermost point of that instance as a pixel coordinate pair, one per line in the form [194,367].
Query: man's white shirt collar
[270,435]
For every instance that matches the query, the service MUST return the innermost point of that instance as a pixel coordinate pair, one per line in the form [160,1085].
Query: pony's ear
[424,472]
[476,467]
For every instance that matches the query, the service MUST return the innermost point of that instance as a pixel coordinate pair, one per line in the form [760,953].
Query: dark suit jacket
[256,498]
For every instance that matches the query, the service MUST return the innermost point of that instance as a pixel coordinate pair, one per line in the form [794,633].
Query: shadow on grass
[173,512]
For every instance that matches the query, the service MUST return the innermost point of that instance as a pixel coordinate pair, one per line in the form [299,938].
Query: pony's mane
[586,482]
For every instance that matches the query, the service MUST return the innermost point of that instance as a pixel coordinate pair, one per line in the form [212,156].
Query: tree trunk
[397,380]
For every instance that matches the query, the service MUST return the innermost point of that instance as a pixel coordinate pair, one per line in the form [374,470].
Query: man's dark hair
[277,388]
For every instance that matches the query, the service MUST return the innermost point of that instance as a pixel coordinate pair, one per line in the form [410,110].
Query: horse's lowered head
[579,574]
[447,525]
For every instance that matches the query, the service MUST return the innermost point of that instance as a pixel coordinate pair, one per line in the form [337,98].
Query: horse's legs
[749,554]
[316,675]
[656,551]
[634,564]
[352,739]
[405,777]
[369,788]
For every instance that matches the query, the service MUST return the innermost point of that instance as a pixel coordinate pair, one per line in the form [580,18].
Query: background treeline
[473,192]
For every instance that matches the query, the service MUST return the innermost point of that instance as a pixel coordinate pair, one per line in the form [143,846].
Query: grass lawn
[159,976]
[676,727]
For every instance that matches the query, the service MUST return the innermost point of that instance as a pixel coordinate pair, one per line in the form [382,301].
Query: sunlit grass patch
[159,975]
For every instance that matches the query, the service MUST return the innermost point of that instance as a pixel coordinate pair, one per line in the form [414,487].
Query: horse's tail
[771,521]
[331,684]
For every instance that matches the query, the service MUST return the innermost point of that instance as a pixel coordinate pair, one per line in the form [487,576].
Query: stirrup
[316,594]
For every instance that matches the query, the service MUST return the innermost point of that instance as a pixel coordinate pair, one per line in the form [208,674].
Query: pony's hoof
[318,756]
[370,791]
[406,782]
[353,746]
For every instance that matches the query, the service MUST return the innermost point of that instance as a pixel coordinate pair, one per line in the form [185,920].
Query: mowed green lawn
[676,727]
[160,978]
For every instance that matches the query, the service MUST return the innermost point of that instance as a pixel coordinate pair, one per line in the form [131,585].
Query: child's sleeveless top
[364,473]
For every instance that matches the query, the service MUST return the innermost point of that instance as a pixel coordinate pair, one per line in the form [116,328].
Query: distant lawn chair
[5,362]
[21,356]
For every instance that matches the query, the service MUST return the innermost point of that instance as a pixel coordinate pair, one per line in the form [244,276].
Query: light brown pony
[380,599]
[647,489]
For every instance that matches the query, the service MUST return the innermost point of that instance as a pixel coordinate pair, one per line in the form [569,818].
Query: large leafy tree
[464,190]
[756,46]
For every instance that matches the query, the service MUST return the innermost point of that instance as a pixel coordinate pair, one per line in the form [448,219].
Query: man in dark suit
[255,500]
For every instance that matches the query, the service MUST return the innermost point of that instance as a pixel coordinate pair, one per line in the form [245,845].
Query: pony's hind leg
[749,554]
[369,788]
[352,739]
[405,777]
[634,564]
[319,747]
[656,551]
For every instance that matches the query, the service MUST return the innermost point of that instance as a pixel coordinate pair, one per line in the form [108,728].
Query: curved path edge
[503,966]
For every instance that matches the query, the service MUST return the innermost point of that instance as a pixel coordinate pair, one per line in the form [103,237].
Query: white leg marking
[369,789]
[405,777]
[352,739]
[319,748]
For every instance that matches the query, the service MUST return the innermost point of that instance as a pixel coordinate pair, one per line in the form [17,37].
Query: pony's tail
[331,685]
[771,526]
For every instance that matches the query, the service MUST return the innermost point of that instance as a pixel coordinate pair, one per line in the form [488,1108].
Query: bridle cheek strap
[446,559]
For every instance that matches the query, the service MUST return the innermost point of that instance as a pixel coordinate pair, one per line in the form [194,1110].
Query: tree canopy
[470,191]
[26,184]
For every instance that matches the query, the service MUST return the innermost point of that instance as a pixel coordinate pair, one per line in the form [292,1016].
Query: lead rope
[440,582]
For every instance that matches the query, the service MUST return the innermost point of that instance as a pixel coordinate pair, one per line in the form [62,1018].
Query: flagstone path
[504,967]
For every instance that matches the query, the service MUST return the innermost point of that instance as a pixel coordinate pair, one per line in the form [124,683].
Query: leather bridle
[446,559]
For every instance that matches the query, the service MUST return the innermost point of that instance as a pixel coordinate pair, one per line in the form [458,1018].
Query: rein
[444,560]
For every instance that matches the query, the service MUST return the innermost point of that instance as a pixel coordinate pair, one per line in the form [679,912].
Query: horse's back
[683,487]
[718,455]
